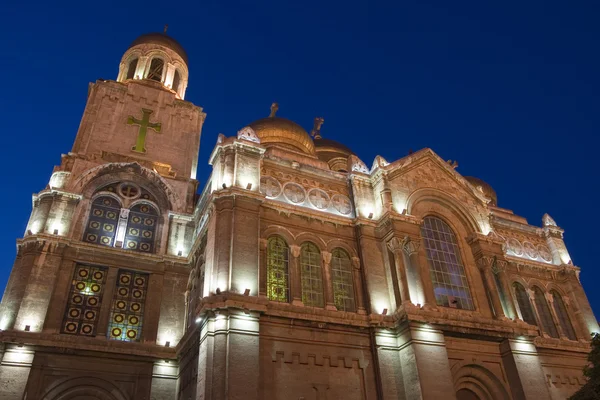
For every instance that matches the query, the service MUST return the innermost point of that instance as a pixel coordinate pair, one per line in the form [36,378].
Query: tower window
[141,227]
[563,315]
[102,223]
[311,275]
[176,81]
[446,269]
[544,313]
[342,281]
[524,304]
[131,69]
[85,299]
[277,269]
[156,70]
[128,306]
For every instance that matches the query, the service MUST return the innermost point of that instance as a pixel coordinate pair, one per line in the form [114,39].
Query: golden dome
[282,132]
[485,188]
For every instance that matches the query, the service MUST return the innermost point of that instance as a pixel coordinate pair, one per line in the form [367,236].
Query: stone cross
[274,108]
[318,199]
[144,124]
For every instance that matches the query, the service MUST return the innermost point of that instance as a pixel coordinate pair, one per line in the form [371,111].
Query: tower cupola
[156,57]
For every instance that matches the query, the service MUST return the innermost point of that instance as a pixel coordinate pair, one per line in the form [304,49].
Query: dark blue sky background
[509,89]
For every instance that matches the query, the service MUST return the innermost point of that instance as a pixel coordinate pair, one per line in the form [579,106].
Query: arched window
[342,282]
[277,270]
[544,312]
[131,69]
[176,81]
[524,304]
[563,315]
[446,269]
[156,69]
[102,223]
[127,313]
[141,227]
[311,275]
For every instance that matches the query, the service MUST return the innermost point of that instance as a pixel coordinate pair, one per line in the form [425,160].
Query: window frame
[312,286]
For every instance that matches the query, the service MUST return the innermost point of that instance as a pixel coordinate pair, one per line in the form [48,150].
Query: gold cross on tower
[144,124]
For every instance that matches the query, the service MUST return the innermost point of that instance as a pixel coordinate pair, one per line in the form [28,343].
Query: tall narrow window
[156,69]
[176,81]
[544,312]
[141,226]
[131,68]
[85,298]
[563,315]
[277,269]
[524,304]
[311,275]
[342,281]
[128,306]
[102,223]
[446,269]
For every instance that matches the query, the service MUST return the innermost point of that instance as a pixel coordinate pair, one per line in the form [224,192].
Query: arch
[342,280]
[84,386]
[311,275]
[304,237]
[278,230]
[335,243]
[563,316]
[478,380]
[278,260]
[524,303]
[544,313]
[156,69]
[131,68]
[446,268]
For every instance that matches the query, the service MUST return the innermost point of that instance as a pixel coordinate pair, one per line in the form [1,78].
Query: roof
[163,40]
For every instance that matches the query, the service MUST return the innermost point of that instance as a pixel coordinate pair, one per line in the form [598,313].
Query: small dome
[281,131]
[485,188]
[163,40]
[328,145]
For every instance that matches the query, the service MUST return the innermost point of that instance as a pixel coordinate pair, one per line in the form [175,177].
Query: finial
[274,108]
[316,132]
[547,220]
[166,27]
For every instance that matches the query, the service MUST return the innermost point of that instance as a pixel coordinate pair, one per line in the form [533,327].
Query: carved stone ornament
[394,245]
[248,134]
[514,246]
[530,250]
[342,204]
[270,187]
[379,162]
[358,165]
[318,198]
[294,193]
[410,246]
[547,220]
[356,262]
[326,257]
[295,250]
[545,253]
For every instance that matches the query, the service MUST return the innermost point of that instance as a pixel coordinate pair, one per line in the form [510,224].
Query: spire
[316,132]
[274,108]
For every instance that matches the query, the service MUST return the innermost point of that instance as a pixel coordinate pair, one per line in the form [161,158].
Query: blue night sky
[509,89]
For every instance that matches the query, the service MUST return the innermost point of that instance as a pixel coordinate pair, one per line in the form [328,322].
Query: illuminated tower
[97,288]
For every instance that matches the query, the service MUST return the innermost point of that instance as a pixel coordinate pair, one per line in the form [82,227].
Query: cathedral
[295,272]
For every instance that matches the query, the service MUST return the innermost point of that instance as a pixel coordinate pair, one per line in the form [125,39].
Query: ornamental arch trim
[304,237]
[480,380]
[284,233]
[337,243]
[84,386]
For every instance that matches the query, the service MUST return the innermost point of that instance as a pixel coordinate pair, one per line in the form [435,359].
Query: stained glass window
[85,298]
[277,269]
[131,69]
[102,223]
[141,227]
[446,269]
[156,70]
[563,316]
[311,275]
[524,304]
[128,306]
[342,281]
[544,312]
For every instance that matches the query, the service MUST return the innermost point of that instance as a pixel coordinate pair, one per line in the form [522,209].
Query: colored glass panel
[524,304]
[563,315]
[311,275]
[544,312]
[85,299]
[127,312]
[450,284]
[342,281]
[141,227]
[101,227]
[277,269]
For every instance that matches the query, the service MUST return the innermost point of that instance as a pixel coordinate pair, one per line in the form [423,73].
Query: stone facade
[297,273]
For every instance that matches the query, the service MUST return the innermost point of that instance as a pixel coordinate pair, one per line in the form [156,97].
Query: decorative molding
[295,250]
[394,245]
[248,134]
[410,246]
[356,262]
[326,257]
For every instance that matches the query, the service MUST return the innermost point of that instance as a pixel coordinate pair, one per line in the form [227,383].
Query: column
[295,278]
[524,370]
[508,297]
[262,265]
[485,266]
[419,271]
[358,286]
[579,333]
[327,284]
[396,247]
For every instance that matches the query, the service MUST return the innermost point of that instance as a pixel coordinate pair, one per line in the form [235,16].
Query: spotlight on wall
[384,312]
[218,291]
[370,216]
[198,320]
[167,344]
[56,231]
[249,186]
[247,292]
[27,328]
[180,253]
[224,186]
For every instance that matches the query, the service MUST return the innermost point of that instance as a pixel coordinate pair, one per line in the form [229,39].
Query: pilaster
[524,370]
